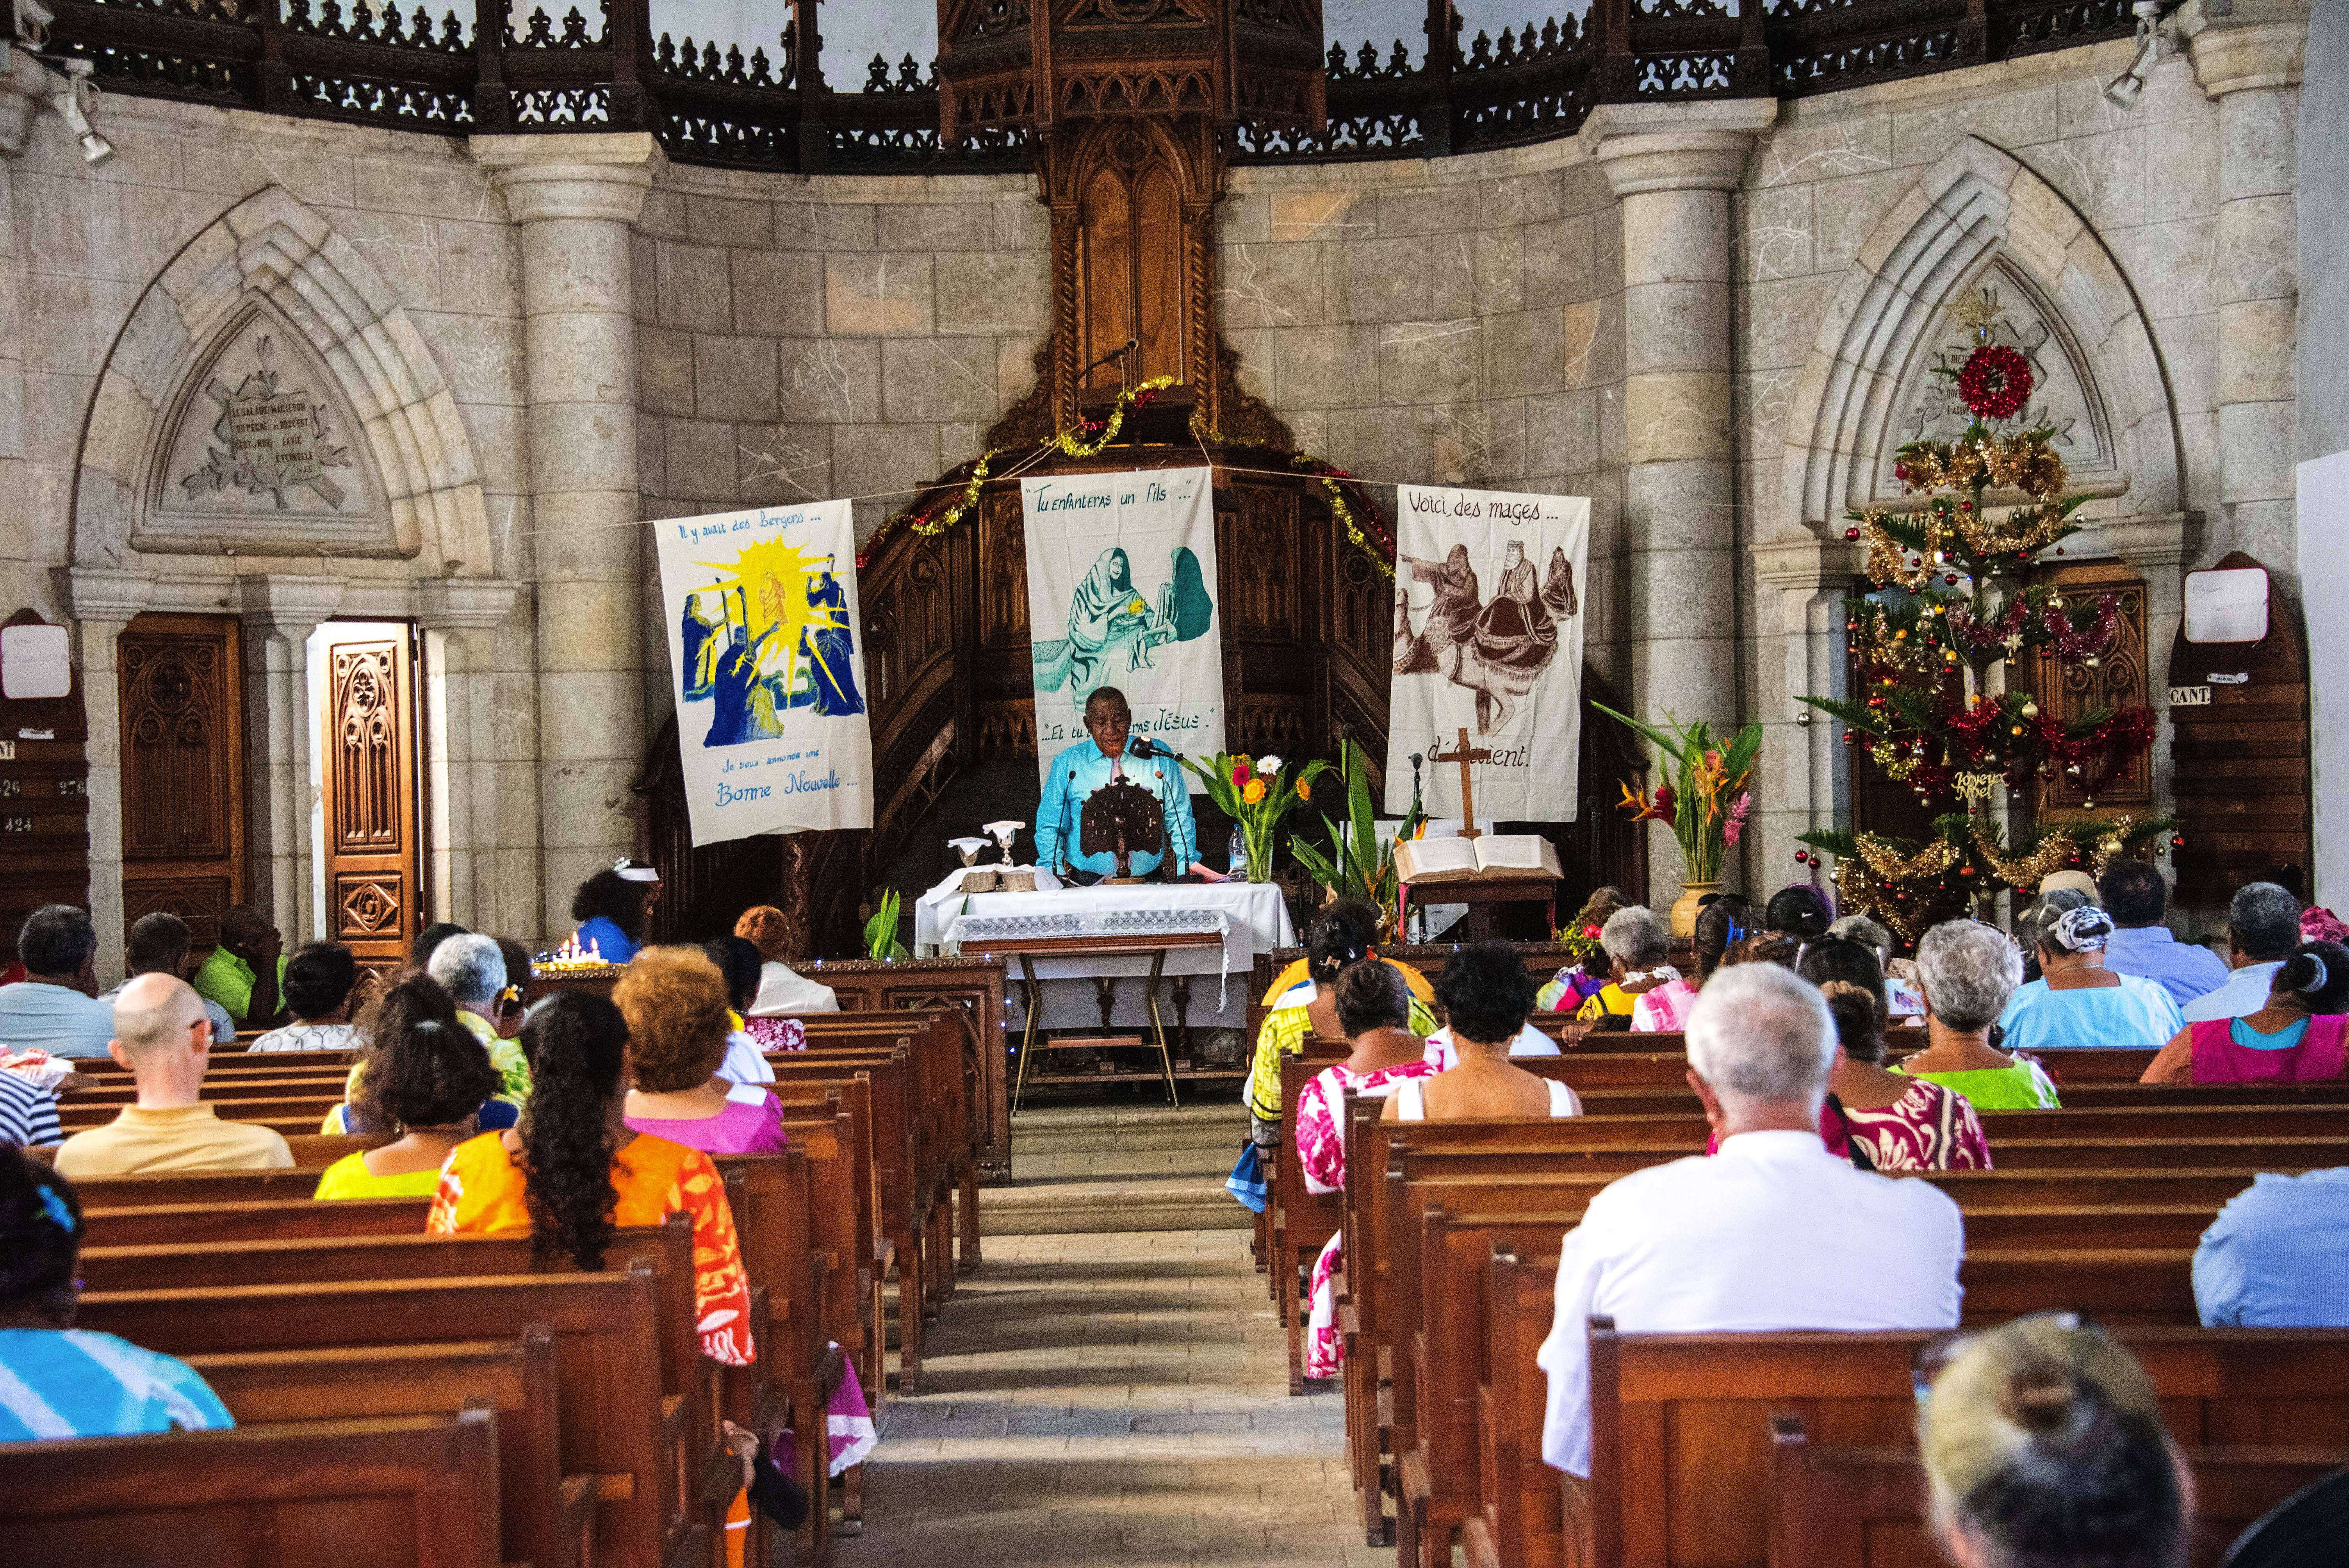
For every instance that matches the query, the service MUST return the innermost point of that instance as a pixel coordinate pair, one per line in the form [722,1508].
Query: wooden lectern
[1125,819]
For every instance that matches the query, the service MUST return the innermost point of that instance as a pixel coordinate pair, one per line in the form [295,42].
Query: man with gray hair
[162,1034]
[1770,1233]
[54,1008]
[2263,931]
[473,970]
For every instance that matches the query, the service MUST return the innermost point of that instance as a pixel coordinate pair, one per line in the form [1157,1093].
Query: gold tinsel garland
[2053,852]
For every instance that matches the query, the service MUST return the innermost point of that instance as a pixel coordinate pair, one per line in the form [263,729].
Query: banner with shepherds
[763,641]
[1488,637]
[1120,568]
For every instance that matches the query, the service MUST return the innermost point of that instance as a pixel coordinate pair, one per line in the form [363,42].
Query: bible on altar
[1492,856]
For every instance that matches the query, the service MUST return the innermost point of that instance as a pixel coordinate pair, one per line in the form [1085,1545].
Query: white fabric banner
[1506,665]
[1120,592]
[763,636]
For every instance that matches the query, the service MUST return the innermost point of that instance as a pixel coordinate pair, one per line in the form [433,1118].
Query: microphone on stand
[1143,745]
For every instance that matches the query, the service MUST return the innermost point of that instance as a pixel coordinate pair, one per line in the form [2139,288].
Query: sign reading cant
[276,431]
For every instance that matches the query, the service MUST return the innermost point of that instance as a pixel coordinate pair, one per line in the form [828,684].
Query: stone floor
[1111,1398]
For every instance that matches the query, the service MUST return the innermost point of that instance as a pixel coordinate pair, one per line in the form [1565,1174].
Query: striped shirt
[70,1383]
[2278,1255]
[28,1115]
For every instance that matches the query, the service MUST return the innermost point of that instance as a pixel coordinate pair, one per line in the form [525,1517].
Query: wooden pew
[952,1093]
[1847,1507]
[1302,1222]
[163,1224]
[874,1246]
[618,1422]
[972,989]
[545,1516]
[413,1491]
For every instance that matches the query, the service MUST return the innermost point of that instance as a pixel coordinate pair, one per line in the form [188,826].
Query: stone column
[102,602]
[1673,167]
[278,614]
[2250,64]
[1805,767]
[576,197]
[457,618]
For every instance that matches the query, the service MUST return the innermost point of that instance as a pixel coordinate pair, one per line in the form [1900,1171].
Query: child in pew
[427,1080]
[574,1171]
[426,997]
[2043,1448]
[749,1040]
[678,1027]
[58,1381]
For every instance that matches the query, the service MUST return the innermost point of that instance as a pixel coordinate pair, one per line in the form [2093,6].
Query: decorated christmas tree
[1936,651]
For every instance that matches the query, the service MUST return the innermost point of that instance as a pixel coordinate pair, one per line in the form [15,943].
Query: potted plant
[1255,793]
[1705,803]
[880,930]
[1361,864]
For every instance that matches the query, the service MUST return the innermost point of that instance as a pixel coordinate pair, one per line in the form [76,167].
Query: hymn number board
[44,784]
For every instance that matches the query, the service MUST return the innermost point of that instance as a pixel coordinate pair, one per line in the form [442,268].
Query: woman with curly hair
[574,1171]
[675,1005]
[426,1079]
[610,909]
[783,993]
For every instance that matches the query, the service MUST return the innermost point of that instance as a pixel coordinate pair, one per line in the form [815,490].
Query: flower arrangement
[1257,793]
[1361,864]
[1706,802]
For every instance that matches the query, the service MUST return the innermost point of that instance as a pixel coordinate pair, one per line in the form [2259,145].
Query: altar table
[1214,977]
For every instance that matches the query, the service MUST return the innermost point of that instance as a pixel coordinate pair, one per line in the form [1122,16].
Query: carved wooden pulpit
[1125,819]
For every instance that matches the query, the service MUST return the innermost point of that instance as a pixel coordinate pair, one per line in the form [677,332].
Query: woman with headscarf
[1103,609]
[2076,1001]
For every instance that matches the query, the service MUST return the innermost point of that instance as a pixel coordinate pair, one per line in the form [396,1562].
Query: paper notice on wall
[765,639]
[1488,638]
[1120,592]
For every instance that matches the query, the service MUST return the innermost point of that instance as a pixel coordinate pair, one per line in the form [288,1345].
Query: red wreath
[1995,382]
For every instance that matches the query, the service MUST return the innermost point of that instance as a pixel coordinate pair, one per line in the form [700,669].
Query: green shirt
[227,979]
[2022,1087]
[504,1055]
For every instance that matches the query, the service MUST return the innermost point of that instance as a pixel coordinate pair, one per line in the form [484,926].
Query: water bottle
[1237,864]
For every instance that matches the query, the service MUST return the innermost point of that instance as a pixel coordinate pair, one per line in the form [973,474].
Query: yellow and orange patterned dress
[482,1190]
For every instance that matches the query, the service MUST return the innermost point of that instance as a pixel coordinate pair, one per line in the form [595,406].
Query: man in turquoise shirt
[1084,767]
[244,971]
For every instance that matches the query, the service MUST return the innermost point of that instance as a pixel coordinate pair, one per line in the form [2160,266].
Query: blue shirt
[2184,969]
[608,939]
[54,1018]
[2246,991]
[71,1383]
[2133,1014]
[1080,770]
[2278,1255]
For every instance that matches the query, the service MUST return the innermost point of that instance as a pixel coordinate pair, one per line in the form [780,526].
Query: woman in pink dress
[1373,1009]
[2300,1037]
[679,1018]
[1892,1122]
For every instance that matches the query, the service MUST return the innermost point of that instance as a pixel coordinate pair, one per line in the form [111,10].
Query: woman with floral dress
[1373,1009]
[1892,1122]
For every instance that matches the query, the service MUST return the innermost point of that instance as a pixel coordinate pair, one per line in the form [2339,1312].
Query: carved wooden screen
[2119,680]
[184,770]
[44,802]
[1132,239]
[368,747]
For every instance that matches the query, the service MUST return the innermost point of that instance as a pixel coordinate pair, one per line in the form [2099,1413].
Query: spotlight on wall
[2123,90]
[70,101]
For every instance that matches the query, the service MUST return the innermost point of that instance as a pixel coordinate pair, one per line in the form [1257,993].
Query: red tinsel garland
[1983,638]
[1995,382]
[2069,644]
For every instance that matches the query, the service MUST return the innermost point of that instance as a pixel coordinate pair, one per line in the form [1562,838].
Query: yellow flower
[1254,792]
[1304,790]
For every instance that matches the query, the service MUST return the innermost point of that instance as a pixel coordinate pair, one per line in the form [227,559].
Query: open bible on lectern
[1495,857]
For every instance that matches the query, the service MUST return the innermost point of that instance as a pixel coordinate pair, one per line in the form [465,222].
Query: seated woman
[1967,972]
[1367,915]
[57,1381]
[422,997]
[1904,1007]
[2044,1444]
[1575,984]
[1636,947]
[2298,1038]
[320,980]
[746,1042]
[1374,1010]
[783,993]
[427,1080]
[675,1003]
[1800,911]
[610,909]
[1660,998]
[1338,938]
[2077,1002]
[1889,1122]
[1487,994]
[574,1172]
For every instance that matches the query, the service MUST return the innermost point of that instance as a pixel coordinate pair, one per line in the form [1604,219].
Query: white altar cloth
[1258,921]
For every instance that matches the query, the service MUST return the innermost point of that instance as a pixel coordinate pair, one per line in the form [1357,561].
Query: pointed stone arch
[274,257]
[1977,214]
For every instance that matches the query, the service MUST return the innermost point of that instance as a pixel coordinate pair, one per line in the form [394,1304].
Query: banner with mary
[763,633]
[1120,574]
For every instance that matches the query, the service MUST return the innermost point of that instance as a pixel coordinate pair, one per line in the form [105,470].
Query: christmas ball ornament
[1951,578]
[1966,872]
[1802,857]
[2176,841]
[2092,661]
[1851,533]
[1994,382]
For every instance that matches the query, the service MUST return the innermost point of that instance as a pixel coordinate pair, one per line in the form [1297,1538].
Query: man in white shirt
[2263,931]
[1771,1234]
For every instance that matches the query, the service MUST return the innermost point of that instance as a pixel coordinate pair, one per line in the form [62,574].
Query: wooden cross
[1465,756]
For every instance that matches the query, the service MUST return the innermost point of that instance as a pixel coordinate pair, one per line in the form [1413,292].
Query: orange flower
[1304,790]
[1254,793]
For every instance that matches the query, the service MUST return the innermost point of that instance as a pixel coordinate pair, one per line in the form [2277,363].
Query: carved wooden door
[368,750]
[184,770]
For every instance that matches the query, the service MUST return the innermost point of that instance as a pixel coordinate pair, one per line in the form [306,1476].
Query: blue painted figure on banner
[1093,762]
[825,643]
[1107,610]
[782,639]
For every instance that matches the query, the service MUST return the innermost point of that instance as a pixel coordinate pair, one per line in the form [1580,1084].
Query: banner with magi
[1488,638]
[1120,592]
[765,641]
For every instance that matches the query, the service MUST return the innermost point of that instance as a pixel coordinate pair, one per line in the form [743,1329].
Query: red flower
[1996,381]
[1241,772]
[1591,931]
[1664,804]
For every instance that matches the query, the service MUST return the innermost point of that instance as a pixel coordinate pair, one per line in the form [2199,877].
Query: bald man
[162,1034]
